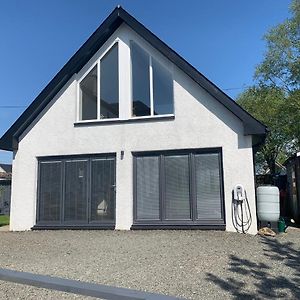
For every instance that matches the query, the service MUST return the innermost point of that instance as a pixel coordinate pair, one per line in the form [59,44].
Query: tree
[275,100]
[291,127]
[265,104]
[281,64]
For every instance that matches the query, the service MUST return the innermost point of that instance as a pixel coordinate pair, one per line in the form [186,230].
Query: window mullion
[151,87]
[98,91]
[79,103]
[63,192]
[89,189]
[193,192]
[162,188]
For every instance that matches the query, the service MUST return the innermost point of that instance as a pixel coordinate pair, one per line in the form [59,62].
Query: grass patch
[4,220]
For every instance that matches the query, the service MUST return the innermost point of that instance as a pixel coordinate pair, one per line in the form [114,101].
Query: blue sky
[221,38]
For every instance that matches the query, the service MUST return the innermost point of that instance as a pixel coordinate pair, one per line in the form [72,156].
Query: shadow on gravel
[266,284]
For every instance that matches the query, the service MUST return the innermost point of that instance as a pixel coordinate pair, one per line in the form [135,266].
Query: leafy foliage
[291,126]
[275,100]
[265,104]
[281,65]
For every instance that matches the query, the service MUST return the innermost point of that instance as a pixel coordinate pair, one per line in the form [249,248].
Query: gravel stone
[190,264]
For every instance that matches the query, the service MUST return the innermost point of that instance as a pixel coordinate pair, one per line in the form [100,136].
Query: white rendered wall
[200,122]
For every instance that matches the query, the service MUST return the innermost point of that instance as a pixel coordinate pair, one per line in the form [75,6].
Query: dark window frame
[107,224]
[178,224]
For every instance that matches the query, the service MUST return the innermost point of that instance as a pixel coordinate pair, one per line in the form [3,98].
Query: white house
[128,135]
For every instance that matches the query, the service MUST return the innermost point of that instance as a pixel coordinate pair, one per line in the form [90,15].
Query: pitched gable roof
[9,140]
[6,168]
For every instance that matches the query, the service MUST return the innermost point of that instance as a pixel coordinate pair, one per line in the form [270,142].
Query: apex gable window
[99,89]
[152,85]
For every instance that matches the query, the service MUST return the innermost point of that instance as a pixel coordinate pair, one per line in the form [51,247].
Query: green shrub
[4,220]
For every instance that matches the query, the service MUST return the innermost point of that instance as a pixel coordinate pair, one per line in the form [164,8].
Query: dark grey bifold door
[179,188]
[147,183]
[76,197]
[103,189]
[50,191]
[208,188]
[76,191]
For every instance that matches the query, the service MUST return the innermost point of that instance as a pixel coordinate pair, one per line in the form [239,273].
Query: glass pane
[50,191]
[103,190]
[75,207]
[162,89]
[208,186]
[109,84]
[140,81]
[177,198]
[147,186]
[88,94]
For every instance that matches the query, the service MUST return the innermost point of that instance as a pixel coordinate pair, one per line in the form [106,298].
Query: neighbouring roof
[7,168]
[4,177]
[292,159]
[280,168]
[9,141]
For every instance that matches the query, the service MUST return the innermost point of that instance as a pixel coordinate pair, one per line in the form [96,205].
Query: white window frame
[151,57]
[79,100]
[125,81]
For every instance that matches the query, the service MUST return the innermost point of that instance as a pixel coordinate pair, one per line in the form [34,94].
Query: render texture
[199,122]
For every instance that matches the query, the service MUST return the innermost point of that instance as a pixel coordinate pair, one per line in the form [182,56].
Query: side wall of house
[200,122]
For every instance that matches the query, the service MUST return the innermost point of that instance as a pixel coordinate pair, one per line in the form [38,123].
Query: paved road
[189,264]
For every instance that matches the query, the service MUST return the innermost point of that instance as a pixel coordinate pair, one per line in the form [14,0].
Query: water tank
[268,208]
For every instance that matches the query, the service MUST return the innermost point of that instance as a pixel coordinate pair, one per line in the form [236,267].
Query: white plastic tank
[268,207]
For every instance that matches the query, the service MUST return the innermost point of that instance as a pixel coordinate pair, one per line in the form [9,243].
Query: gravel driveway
[190,264]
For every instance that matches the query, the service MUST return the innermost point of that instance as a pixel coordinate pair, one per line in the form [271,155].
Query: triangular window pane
[88,96]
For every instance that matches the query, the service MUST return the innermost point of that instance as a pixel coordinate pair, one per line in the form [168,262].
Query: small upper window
[152,85]
[104,104]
